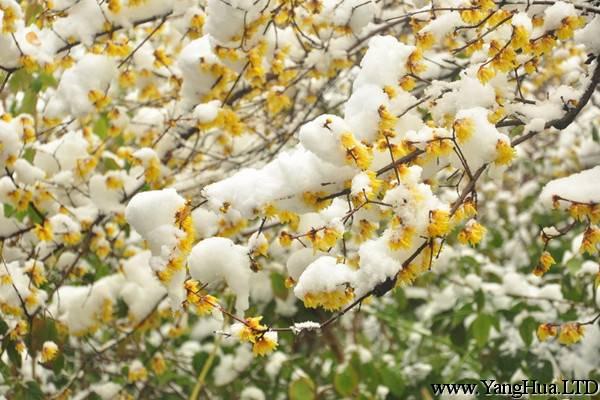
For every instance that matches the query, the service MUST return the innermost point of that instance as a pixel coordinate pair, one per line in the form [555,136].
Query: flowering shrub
[304,199]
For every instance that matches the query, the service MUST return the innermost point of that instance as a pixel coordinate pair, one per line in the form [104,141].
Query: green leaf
[458,335]
[346,382]
[34,391]
[30,390]
[58,363]
[3,327]
[574,265]
[595,135]
[101,126]
[32,12]
[480,299]
[199,360]
[480,328]
[13,354]
[526,330]
[42,330]
[394,381]
[278,286]
[302,389]
[20,80]
[541,370]
[29,102]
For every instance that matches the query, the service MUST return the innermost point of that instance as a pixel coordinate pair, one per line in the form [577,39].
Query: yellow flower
[37,273]
[98,98]
[43,232]
[439,223]
[356,152]
[407,83]
[161,58]
[277,102]
[546,261]
[71,238]
[578,211]
[127,78]
[251,330]
[137,372]
[366,230]
[425,40]
[114,6]
[20,329]
[113,182]
[496,115]
[520,37]
[569,24]
[485,74]
[570,333]
[463,129]
[285,239]
[402,240]
[158,363]
[313,199]
[545,331]
[413,64]
[530,66]
[590,241]
[439,147]
[472,233]
[265,344]
[205,304]
[390,91]
[504,153]
[49,351]
[330,301]
[486,5]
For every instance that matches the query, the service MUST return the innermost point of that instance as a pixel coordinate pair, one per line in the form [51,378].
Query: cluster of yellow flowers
[252,331]
[183,221]
[568,333]
[546,261]
[356,153]
[203,302]
[472,233]
[591,240]
[329,300]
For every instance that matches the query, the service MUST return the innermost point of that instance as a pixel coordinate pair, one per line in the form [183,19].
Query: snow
[153,215]
[148,211]
[92,72]
[20,288]
[10,143]
[554,15]
[249,189]
[298,327]
[60,154]
[27,173]
[215,259]
[321,136]
[373,71]
[80,307]
[443,25]
[299,260]
[196,81]
[324,274]
[141,290]
[480,148]
[589,34]
[207,112]
[581,187]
